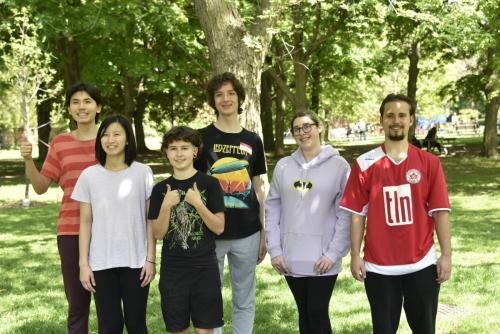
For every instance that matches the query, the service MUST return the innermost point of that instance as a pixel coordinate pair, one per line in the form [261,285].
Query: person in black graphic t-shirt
[235,156]
[187,211]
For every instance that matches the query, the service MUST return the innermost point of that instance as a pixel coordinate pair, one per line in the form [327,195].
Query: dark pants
[312,296]
[417,293]
[78,298]
[114,286]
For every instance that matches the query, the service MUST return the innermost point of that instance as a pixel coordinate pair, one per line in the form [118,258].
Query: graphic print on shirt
[234,180]
[185,223]
[302,186]
[398,205]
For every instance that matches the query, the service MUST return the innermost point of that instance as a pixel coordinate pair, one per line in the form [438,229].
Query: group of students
[212,207]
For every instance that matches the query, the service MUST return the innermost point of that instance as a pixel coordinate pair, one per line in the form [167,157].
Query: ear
[412,119]
[320,127]
[99,108]
[195,151]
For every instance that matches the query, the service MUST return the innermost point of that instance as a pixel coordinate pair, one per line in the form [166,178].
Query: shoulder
[206,129]
[370,158]
[284,162]
[92,171]
[141,167]
[62,138]
[426,157]
[250,134]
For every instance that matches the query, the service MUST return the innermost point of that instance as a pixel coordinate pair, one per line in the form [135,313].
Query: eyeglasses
[306,128]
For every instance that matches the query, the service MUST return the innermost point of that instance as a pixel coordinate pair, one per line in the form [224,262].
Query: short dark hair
[83,87]
[130,147]
[304,113]
[398,97]
[217,81]
[183,133]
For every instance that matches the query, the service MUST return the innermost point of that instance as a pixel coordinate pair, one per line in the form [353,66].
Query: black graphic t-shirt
[234,158]
[188,241]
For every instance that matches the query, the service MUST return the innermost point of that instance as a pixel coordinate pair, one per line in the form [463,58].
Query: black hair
[130,147]
[181,133]
[83,87]
[304,113]
[398,97]
[217,81]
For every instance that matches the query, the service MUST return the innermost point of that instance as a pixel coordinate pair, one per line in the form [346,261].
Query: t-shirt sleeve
[81,192]
[155,200]
[149,182]
[52,167]
[260,158]
[356,194]
[215,198]
[200,163]
[438,194]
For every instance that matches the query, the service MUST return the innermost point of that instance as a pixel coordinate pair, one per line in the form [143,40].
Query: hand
[278,263]
[172,197]
[193,196]
[147,273]
[26,147]
[323,265]
[262,248]
[87,278]
[443,268]
[358,270]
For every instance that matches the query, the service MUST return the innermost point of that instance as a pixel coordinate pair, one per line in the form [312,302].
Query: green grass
[32,297]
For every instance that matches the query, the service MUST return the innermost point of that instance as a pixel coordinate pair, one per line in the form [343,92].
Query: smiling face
[181,154]
[83,108]
[396,120]
[114,140]
[307,133]
[226,100]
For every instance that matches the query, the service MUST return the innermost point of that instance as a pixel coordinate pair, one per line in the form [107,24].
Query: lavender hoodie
[303,218]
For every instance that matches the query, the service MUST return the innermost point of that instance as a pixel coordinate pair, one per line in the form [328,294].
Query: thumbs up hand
[193,196]
[172,197]
[26,147]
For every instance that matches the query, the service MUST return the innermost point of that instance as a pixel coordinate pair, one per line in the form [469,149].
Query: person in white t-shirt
[117,247]
[402,191]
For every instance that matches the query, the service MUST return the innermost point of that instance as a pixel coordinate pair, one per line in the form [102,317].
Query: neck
[184,174]
[397,150]
[86,131]
[115,163]
[311,153]
[228,123]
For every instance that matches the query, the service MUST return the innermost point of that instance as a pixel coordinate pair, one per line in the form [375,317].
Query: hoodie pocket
[301,251]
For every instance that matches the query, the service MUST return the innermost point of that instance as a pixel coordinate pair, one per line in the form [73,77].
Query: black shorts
[191,294]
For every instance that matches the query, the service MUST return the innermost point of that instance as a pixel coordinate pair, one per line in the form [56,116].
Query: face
[114,140]
[83,108]
[181,154]
[306,132]
[396,120]
[226,99]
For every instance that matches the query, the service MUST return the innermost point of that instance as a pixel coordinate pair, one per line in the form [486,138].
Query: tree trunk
[235,48]
[140,108]
[490,137]
[315,87]
[43,117]
[71,65]
[279,122]
[266,113]
[129,93]
[299,60]
[413,71]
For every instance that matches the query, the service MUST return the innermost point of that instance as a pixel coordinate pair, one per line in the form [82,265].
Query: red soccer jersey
[401,198]
[66,160]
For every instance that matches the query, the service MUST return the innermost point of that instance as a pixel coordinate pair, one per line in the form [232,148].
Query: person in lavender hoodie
[307,233]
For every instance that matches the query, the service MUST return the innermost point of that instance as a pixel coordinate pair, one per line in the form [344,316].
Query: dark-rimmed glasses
[306,128]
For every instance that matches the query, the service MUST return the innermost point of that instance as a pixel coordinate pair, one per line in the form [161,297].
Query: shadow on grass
[38,326]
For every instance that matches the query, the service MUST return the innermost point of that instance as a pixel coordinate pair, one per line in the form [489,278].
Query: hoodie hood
[326,153]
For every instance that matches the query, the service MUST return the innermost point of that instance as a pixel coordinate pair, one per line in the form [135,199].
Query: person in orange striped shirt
[69,154]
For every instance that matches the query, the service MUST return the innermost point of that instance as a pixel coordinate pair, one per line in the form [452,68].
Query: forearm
[39,182]
[258,186]
[357,232]
[151,243]
[84,237]
[443,231]
[161,224]
[214,221]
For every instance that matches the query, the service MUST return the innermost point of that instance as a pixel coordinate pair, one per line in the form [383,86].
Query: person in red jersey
[398,192]
[69,154]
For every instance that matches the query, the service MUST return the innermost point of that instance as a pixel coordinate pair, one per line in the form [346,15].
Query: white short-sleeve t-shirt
[118,201]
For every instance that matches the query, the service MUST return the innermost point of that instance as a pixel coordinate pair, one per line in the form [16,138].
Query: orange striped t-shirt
[66,160]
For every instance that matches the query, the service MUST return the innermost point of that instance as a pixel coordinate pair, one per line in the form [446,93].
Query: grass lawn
[32,297]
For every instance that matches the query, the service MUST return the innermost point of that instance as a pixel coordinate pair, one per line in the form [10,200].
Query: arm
[258,187]
[161,224]
[214,221]
[443,231]
[86,274]
[357,232]
[40,182]
[149,269]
